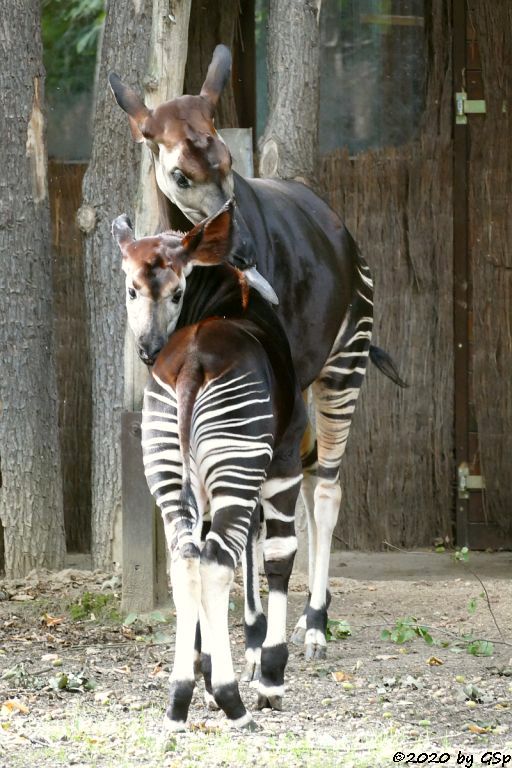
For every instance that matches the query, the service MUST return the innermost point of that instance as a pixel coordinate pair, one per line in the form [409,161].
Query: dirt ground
[80,688]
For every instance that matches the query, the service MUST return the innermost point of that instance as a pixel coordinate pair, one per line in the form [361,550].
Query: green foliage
[94,605]
[71,30]
[461,555]
[407,629]
[337,630]
[480,648]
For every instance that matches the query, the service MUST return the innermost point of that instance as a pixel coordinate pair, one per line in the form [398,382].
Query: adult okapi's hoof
[298,636]
[251,673]
[270,702]
[315,652]
[250,727]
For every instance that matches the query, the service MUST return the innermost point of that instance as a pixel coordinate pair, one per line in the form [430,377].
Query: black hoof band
[180,696]
[228,699]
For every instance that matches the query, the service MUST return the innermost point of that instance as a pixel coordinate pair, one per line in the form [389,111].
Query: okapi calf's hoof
[251,673]
[316,649]
[274,701]
[298,636]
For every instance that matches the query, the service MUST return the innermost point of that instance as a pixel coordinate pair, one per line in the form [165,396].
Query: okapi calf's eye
[177,296]
[132,293]
[180,179]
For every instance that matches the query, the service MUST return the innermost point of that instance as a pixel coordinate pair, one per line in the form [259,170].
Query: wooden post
[144,567]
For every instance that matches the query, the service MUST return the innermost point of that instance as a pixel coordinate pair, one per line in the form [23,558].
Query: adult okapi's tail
[386,365]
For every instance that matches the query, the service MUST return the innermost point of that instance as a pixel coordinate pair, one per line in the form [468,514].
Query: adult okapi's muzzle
[148,349]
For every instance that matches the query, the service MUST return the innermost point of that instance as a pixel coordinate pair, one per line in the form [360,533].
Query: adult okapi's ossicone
[222,423]
[324,287]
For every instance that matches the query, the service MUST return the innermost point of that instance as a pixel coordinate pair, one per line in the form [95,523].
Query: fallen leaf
[341,677]
[123,670]
[11,705]
[477,729]
[51,621]
[435,662]
[22,597]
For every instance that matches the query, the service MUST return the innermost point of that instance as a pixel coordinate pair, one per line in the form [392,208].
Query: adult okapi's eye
[132,293]
[177,296]
[180,179]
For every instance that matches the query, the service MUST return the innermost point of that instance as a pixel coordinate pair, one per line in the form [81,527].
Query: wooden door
[483,272]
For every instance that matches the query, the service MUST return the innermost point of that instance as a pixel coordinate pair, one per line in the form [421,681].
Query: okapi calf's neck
[222,423]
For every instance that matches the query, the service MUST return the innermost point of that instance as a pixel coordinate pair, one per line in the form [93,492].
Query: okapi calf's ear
[217,75]
[209,242]
[122,231]
[132,104]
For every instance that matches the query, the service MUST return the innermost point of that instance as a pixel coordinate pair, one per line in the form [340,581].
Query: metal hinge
[468,482]
[465,106]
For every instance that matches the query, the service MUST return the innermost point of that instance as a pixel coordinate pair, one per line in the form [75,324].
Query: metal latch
[465,106]
[468,482]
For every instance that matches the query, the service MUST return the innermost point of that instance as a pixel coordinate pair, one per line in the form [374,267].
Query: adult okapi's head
[192,163]
[156,269]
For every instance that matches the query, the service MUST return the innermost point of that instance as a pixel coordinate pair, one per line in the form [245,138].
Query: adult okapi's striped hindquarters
[335,393]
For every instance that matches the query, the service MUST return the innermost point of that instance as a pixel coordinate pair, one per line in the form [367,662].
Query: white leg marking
[276,627]
[186,589]
[215,583]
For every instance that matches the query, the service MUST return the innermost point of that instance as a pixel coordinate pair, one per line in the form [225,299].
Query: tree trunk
[31,494]
[289,144]
[212,23]
[109,189]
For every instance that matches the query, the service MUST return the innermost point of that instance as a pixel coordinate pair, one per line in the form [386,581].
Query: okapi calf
[222,423]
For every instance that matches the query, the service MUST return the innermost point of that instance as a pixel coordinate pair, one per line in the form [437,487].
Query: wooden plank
[72,351]
[144,571]
[244,67]
[460,267]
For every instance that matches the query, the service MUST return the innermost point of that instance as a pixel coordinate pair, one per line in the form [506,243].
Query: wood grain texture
[490,238]
[72,351]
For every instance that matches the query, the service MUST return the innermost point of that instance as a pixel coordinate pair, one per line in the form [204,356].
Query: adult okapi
[325,291]
[222,423]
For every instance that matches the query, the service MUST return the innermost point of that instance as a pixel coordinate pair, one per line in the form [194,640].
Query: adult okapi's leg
[255,622]
[278,497]
[335,393]
[309,459]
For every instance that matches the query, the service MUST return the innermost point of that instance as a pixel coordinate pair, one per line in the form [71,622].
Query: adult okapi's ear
[217,75]
[132,104]
[209,242]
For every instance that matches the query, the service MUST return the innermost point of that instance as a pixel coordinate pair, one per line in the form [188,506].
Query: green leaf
[481,648]
[130,619]
[472,605]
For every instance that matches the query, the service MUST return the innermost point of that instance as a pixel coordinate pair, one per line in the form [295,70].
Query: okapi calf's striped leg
[278,497]
[255,622]
[218,559]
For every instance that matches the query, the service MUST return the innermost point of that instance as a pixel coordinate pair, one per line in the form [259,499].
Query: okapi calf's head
[192,162]
[156,270]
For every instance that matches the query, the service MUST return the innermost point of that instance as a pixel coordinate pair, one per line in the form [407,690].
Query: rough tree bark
[109,189]
[163,81]
[31,493]
[289,143]
[288,149]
